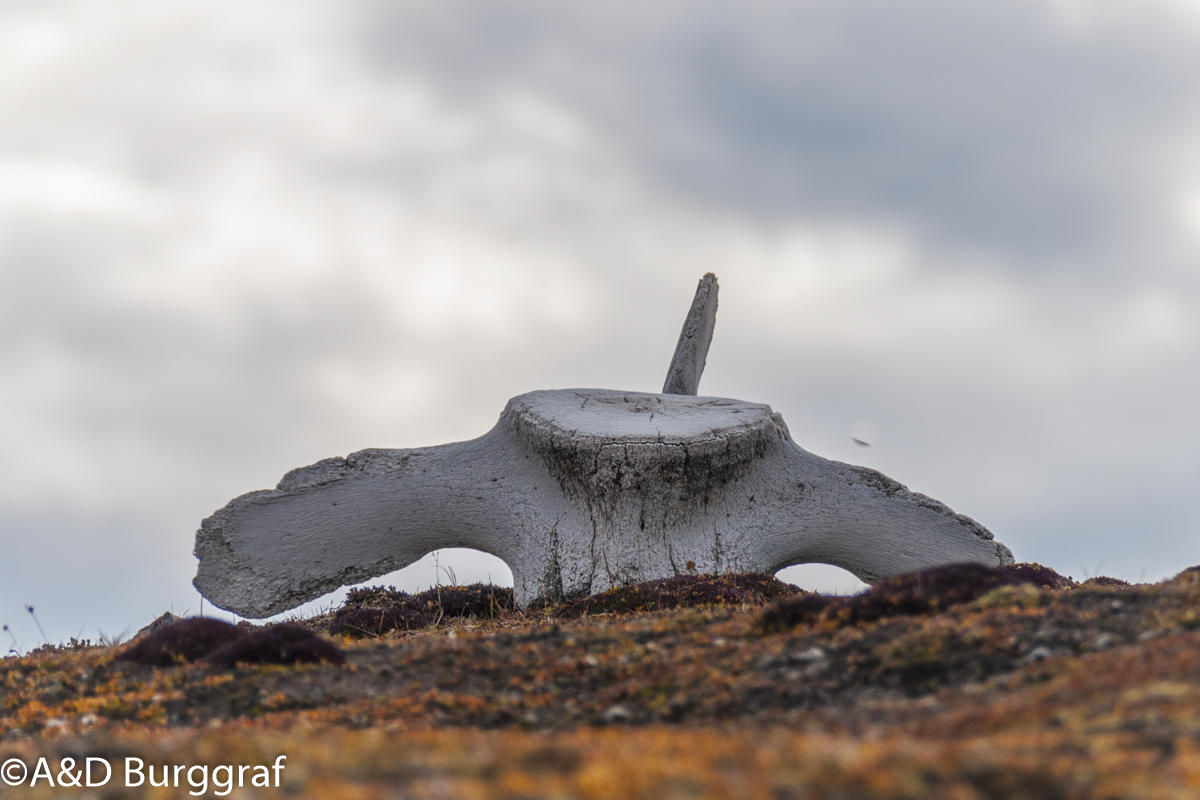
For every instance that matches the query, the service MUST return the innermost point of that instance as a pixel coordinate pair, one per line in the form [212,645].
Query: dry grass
[1025,692]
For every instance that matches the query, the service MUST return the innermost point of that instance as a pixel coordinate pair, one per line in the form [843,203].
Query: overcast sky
[238,238]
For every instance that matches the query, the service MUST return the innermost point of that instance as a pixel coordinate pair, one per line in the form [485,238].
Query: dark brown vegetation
[378,610]
[223,645]
[179,642]
[927,689]
[287,643]
[681,591]
[928,591]
[1045,577]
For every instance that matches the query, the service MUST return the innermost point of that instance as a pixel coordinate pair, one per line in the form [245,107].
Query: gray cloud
[233,243]
[996,126]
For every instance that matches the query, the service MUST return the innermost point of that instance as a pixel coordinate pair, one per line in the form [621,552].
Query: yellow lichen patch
[1022,596]
[1160,690]
[31,712]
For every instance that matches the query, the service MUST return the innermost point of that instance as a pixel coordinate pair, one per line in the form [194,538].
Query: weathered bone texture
[687,365]
[580,490]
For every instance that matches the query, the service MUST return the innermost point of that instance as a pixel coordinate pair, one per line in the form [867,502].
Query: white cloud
[1154,323]
[62,190]
[1189,214]
[234,240]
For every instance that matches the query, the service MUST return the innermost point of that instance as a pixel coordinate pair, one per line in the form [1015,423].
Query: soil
[1018,691]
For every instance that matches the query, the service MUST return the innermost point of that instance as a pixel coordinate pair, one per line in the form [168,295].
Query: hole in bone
[468,566]
[823,578]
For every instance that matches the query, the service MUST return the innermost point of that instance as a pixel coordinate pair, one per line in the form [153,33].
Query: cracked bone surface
[580,490]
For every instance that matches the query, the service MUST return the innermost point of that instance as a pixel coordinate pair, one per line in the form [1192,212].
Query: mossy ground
[1089,691]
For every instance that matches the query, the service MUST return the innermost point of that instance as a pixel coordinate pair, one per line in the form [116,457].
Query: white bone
[580,490]
[687,365]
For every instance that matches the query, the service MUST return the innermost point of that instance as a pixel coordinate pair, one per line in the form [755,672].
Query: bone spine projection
[581,490]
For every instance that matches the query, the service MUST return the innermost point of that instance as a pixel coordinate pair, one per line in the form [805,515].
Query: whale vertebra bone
[580,490]
[683,376]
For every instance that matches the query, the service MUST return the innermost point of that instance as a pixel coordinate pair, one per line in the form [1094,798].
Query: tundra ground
[1088,691]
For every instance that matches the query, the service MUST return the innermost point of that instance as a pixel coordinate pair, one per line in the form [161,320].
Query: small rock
[809,656]
[1039,653]
[616,714]
[166,619]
